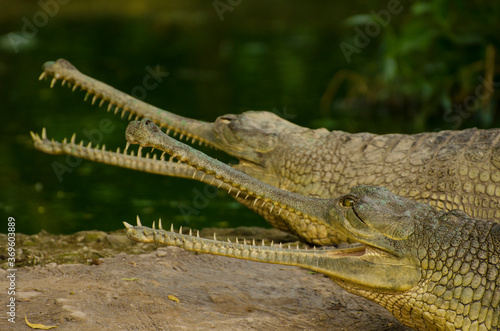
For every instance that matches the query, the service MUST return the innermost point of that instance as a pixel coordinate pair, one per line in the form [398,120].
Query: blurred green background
[378,66]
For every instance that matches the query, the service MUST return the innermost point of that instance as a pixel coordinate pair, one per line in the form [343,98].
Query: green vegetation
[433,65]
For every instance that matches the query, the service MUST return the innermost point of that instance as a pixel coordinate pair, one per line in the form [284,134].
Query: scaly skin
[434,270]
[448,169]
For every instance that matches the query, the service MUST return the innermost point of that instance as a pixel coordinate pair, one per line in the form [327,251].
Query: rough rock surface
[126,291]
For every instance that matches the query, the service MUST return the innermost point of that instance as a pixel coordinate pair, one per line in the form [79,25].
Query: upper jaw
[204,132]
[121,102]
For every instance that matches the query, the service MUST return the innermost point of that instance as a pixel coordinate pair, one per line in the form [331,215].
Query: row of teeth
[139,154]
[130,226]
[44,140]
[95,97]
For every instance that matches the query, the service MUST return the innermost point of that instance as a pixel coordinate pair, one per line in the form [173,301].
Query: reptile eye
[347,202]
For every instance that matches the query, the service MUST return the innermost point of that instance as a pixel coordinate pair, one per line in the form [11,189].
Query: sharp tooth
[126,147]
[138,221]
[159,224]
[215,236]
[229,240]
[237,240]
[271,210]
[86,96]
[139,151]
[103,148]
[65,141]
[263,242]
[73,138]
[154,225]
[171,227]
[74,88]
[194,174]
[116,110]
[198,233]
[118,150]
[168,131]
[181,136]
[130,116]
[180,230]
[238,193]
[229,191]
[33,136]
[128,226]
[253,242]
[94,99]
[42,76]
[110,106]
[89,146]
[44,133]
[102,102]
[63,82]
[136,117]
[123,113]
[190,232]
[53,82]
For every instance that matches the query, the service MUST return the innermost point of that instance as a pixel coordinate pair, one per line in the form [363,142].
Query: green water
[278,57]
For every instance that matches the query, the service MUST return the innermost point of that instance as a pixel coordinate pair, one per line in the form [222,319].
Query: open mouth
[123,104]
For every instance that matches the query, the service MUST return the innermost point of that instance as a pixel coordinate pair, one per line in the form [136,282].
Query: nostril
[226,119]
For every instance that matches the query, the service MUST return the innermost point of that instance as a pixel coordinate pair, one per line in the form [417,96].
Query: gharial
[433,270]
[448,169]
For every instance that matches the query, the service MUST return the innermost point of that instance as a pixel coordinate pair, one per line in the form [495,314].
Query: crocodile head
[250,136]
[383,223]
[420,263]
